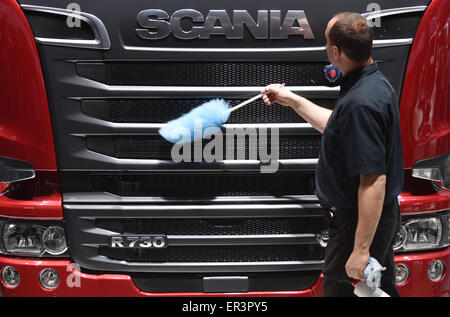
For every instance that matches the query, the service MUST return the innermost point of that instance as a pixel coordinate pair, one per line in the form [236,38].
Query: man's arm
[317,116]
[371,194]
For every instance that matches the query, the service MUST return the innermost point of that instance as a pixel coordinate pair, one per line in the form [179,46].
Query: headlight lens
[54,240]
[20,238]
[31,239]
[422,233]
[435,169]
[447,223]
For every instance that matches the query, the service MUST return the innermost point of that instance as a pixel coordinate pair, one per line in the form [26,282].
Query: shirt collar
[351,78]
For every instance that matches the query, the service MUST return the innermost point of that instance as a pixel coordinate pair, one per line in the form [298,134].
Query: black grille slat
[217,254]
[155,147]
[207,73]
[207,185]
[210,226]
[162,110]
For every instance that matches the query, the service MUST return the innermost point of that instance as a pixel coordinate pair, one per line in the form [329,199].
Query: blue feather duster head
[192,125]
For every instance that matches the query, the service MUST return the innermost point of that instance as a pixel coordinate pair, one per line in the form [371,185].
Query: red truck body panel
[120,285]
[424,107]
[25,127]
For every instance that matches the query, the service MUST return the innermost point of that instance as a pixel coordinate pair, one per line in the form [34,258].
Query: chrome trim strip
[390,43]
[99,261]
[267,125]
[95,211]
[375,44]
[269,239]
[154,165]
[102,197]
[199,89]
[101,40]
[212,240]
[394,11]
[170,208]
[225,50]
[114,91]
[304,126]
[312,161]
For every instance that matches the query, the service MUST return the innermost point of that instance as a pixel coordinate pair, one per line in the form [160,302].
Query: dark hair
[352,34]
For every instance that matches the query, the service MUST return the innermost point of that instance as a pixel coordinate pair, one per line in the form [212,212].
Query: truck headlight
[32,238]
[421,233]
[436,169]
[54,240]
[447,225]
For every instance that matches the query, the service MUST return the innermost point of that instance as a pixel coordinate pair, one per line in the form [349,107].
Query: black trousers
[341,231]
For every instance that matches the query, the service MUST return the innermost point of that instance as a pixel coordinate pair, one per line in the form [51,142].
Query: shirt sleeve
[363,138]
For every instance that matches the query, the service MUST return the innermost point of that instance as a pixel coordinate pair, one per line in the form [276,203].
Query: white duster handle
[248,101]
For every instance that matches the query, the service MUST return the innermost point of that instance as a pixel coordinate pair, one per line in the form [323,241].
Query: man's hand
[317,116]
[371,193]
[278,94]
[356,264]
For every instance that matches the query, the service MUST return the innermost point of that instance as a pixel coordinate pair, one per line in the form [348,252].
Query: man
[360,170]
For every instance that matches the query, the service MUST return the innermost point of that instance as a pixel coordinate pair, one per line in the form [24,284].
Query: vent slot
[165,109]
[257,282]
[155,147]
[214,226]
[251,253]
[207,185]
[219,74]
[54,26]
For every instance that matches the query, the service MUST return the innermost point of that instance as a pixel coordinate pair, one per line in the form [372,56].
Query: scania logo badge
[332,73]
[156,24]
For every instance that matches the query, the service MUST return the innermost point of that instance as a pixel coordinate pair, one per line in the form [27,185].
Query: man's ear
[336,53]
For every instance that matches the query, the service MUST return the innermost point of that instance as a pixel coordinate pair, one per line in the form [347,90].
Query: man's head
[349,39]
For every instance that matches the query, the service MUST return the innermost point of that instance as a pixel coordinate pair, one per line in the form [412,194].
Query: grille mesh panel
[213,226]
[55,26]
[155,147]
[207,185]
[165,109]
[257,282]
[217,254]
[206,73]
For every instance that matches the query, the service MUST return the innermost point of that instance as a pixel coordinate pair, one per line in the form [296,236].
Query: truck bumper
[75,283]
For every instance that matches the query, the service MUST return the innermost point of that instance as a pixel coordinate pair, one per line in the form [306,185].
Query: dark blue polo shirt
[362,136]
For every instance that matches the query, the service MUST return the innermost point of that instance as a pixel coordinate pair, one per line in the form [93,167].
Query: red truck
[91,203]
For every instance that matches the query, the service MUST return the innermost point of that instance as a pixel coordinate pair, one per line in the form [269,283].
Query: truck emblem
[139,241]
[332,73]
[156,24]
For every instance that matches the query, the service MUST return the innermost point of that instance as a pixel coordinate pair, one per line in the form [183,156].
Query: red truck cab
[70,180]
